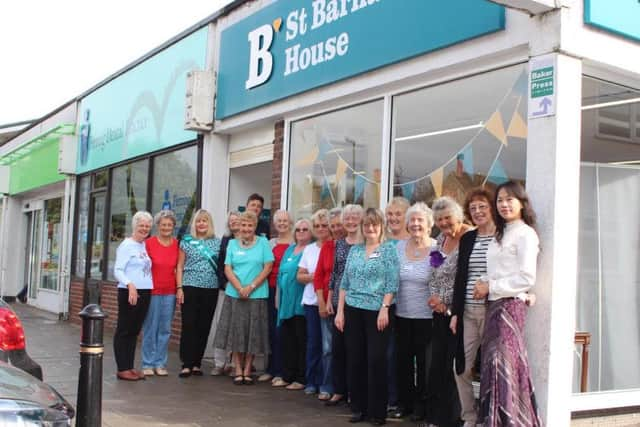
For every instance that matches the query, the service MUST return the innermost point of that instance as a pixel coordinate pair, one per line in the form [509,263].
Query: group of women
[352,304]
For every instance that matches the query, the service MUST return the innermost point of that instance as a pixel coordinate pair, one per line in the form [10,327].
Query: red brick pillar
[276,173]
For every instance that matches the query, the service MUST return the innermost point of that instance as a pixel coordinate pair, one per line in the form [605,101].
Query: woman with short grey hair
[132,269]
[443,259]
[156,331]
[413,316]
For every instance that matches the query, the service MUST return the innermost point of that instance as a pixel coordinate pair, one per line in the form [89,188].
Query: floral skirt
[243,326]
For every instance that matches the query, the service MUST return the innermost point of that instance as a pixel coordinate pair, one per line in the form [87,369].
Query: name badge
[241,253]
[374,255]
[289,259]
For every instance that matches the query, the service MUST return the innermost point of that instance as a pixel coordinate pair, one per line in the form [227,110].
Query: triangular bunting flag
[310,158]
[341,168]
[520,86]
[467,159]
[323,149]
[326,191]
[407,189]
[497,174]
[358,188]
[436,180]
[517,127]
[496,127]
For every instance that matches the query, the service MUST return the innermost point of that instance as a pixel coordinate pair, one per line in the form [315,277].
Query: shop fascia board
[48,136]
[502,48]
[597,46]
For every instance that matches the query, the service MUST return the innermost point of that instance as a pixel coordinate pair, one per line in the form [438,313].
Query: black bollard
[89,405]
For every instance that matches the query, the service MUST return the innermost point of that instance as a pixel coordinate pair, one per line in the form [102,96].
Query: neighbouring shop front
[370,100]
[34,231]
[133,154]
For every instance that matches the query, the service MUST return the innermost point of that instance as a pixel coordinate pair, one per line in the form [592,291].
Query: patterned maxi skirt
[243,326]
[506,390]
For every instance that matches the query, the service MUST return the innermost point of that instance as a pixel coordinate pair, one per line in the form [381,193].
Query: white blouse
[511,264]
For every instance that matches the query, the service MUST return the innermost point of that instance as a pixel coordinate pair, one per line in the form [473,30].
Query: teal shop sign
[142,110]
[621,17]
[289,47]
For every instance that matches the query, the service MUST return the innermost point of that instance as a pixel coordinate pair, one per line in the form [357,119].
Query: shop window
[450,138]
[52,238]
[128,195]
[335,159]
[82,221]
[175,177]
[608,291]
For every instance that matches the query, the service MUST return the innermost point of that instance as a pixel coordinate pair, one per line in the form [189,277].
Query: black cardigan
[465,248]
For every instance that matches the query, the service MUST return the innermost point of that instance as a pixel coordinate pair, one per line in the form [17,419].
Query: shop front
[133,154]
[34,231]
[371,100]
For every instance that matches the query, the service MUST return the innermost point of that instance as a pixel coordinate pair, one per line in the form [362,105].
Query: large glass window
[608,294]
[82,233]
[335,159]
[174,177]
[128,196]
[52,236]
[470,132]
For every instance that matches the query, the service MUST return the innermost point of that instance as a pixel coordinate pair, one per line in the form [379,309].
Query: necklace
[247,243]
[418,252]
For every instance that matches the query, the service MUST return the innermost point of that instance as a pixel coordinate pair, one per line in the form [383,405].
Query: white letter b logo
[260,59]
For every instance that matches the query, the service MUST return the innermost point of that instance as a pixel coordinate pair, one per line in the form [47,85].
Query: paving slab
[169,401]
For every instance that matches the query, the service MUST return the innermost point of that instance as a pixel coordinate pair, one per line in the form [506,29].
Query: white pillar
[553,184]
[215,178]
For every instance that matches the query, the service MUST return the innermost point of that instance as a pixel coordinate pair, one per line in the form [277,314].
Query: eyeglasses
[301,230]
[320,225]
[478,208]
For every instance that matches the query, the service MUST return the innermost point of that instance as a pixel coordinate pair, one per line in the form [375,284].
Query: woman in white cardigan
[506,390]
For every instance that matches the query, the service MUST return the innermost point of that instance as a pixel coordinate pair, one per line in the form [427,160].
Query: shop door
[42,269]
[95,245]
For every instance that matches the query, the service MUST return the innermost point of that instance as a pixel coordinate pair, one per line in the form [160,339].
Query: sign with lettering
[290,47]
[542,85]
[621,17]
[142,110]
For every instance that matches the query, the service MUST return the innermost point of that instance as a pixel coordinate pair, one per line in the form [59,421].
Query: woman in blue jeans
[156,331]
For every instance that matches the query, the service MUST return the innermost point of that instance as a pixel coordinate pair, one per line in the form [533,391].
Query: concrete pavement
[169,401]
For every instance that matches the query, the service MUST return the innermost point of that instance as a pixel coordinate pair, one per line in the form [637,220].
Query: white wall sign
[542,86]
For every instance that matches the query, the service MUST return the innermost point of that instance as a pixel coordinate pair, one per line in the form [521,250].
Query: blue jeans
[326,330]
[314,349]
[156,331]
[274,367]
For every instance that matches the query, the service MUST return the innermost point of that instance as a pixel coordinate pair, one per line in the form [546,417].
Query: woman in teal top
[244,327]
[368,286]
[197,290]
[291,319]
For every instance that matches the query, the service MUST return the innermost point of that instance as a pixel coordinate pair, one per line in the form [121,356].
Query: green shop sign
[141,111]
[290,47]
[620,17]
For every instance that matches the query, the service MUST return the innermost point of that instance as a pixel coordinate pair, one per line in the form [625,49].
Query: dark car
[13,348]
[27,401]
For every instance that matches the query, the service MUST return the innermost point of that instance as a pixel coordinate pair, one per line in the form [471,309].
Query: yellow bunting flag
[496,127]
[517,127]
[310,158]
[341,168]
[436,180]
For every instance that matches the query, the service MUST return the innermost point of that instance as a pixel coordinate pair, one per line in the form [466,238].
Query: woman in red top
[163,251]
[283,224]
[321,279]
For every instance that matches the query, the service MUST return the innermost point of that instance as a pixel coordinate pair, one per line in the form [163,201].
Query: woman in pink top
[163,251]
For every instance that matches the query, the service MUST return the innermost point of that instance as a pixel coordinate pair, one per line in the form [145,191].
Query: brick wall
[276,174]
[109,304]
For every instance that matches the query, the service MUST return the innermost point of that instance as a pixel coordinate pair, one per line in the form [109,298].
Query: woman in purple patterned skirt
[506,390]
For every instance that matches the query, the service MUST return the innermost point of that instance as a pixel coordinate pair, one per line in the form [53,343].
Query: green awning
[51,135]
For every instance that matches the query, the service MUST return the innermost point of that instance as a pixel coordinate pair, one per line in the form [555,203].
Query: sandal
[196,371]
[248,381]
[238,380]
[185,373]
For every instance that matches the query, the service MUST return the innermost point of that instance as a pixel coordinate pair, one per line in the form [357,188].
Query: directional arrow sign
[542,86]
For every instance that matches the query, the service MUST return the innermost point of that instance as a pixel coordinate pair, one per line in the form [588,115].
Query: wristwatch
[448,312]
[385,305]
